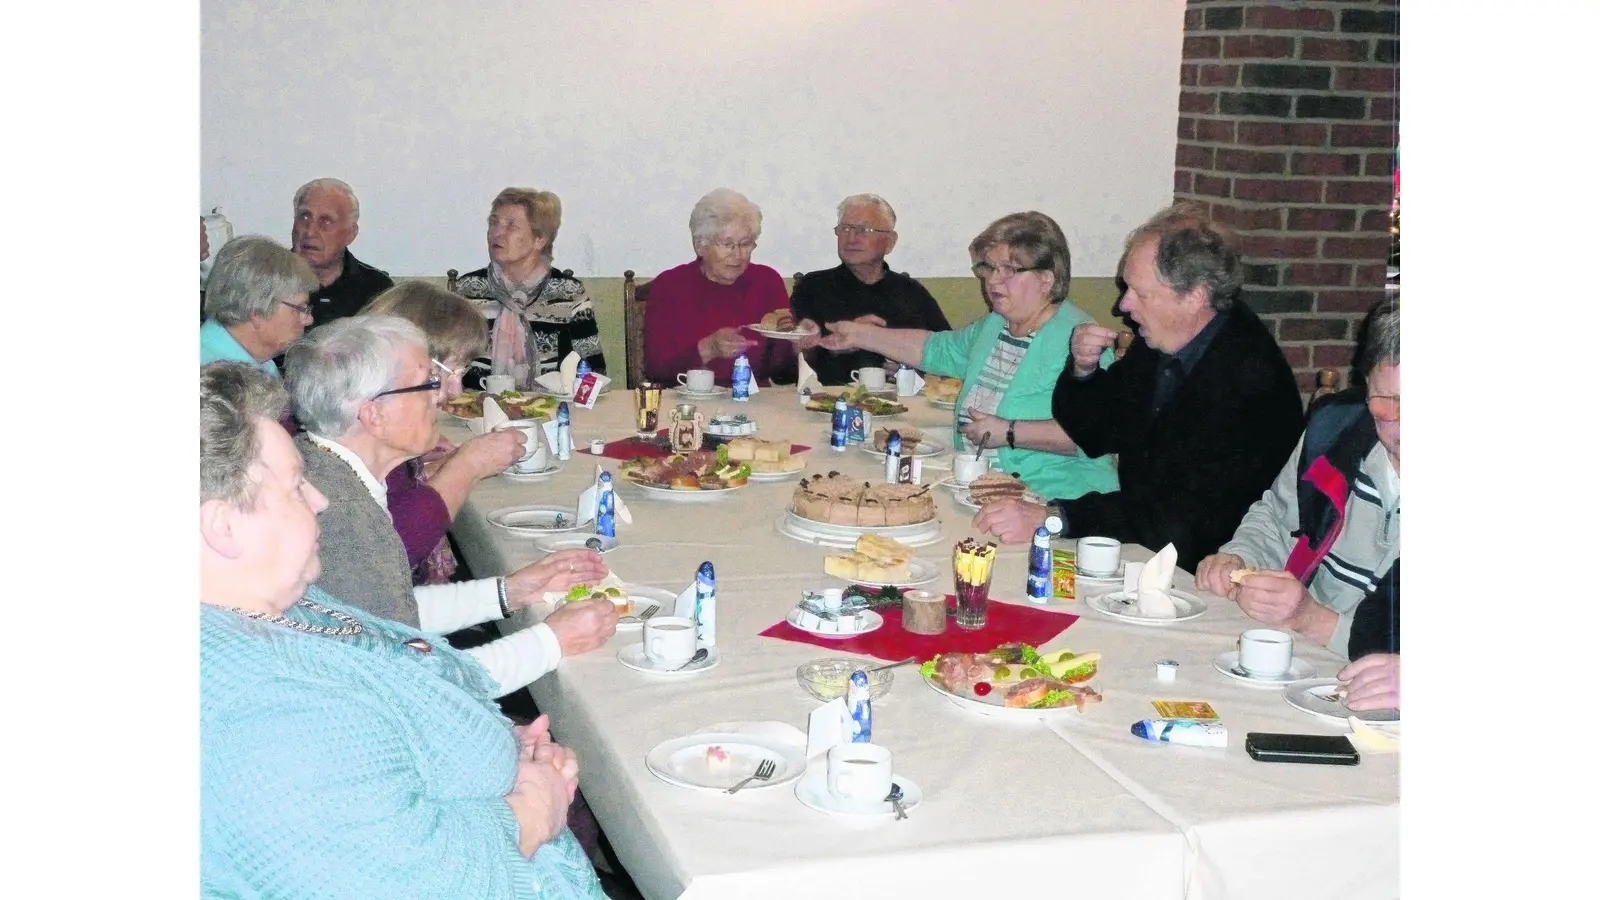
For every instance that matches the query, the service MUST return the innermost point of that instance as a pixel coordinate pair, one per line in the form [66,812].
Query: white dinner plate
[871,621]
[535,519]
[782,335]
[924,449]
[844,538]
[923,571]
[855,531]
[1118,605]
[812,790]
[1228,664]
[550,543]
[767,477]
[941,404]
[1311,695]
[684,495]
[543,474]
[640,598]
[633,657]
[995,705]
[964,498]
[682,761]
[712,394]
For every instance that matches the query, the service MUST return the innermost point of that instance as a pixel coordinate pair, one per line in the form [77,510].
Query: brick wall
[1288,122]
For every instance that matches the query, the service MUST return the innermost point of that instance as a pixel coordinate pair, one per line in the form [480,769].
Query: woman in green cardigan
[1008,360]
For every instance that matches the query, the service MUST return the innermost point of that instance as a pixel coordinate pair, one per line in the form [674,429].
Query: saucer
[1313,695]
[1228,664]
[535,519]
[812,790]
[1114,578]
[543,474]
[633,657]
[712,394]
[550,543]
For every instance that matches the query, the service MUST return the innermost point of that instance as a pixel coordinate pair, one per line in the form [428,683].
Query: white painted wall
[957,112]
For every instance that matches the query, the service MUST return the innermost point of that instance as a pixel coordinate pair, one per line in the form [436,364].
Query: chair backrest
[1327,383]
[634,297]
[450,278]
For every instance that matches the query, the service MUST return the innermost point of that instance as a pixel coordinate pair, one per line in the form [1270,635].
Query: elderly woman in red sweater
[697,311]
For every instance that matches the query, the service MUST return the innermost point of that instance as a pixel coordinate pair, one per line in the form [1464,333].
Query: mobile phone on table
[1319,749]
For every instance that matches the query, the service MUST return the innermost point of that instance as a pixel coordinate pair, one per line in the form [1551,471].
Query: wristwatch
[1011,434]
[1055,518]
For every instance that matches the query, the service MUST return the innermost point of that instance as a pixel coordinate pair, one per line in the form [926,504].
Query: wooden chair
[634,297]
[1327,383]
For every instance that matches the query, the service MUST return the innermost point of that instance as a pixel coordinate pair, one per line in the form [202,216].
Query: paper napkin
[569,372]
[1370,740]
[808,376]
[589,501]
[1154,582]
[493,415]
[684,605]
[827,727]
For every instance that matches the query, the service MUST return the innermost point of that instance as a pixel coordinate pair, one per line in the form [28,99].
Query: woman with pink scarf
[540,315]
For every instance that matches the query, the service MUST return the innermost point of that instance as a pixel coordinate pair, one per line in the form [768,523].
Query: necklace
[348,628]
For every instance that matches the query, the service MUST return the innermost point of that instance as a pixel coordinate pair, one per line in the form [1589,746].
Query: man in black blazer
[1202,411]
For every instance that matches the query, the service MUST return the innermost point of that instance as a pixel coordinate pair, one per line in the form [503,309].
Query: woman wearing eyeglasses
[257,303]
[696,314]
[1327,535]
[425,493]
[364,388]
[1009,360]
[541,315]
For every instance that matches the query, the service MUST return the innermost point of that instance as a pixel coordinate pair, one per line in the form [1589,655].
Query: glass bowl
[827,678]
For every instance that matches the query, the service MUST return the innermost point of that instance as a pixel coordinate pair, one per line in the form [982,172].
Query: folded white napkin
[684,604]
[827,727]
[569,371]
[1367,739]
[1154,582]
[589,502]
[808,376]
[493,415]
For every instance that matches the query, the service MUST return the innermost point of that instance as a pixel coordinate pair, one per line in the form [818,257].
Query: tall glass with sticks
[647,408]
[973,566]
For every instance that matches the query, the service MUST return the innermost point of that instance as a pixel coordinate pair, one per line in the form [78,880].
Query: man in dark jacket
[327,218]
[1202,411]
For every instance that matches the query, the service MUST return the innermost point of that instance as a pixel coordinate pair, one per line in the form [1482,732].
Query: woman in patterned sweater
[540,315]
[343,755]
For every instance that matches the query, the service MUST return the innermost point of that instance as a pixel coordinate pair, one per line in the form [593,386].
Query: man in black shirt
[326,220]
[861,287]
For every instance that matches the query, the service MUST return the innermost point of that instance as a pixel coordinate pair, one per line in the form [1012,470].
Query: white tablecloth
[1008,805]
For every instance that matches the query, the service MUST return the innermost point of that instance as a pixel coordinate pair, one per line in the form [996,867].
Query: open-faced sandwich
[822,401]
[607,588]
[1019,676]
[702,470]
[514,404]
[910,437]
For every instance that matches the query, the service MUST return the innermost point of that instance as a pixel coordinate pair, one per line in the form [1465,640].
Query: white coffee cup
[535,453]
[698,381]
[499,384]
[1265,652]
[669,641]
[873,378]
[1099,556]
[966,469]
[861,773]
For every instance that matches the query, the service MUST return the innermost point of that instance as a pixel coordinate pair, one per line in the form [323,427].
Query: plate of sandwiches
[992,486]
[1015,681]
[516,405]
[941,392]
[768,460]
[780,325]
[703,475]
[878,405]
[912,442]
[879,561]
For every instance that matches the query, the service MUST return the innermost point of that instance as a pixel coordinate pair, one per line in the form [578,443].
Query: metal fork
[649,611]
[763,772]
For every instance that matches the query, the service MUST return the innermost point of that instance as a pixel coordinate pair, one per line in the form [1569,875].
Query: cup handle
[683,378]
[855,376]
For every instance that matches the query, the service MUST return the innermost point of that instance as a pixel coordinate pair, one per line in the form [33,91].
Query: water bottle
[839,439]
[583,369]
[1039,587]
[891,458]
[605,519]
[563,431]
[741,378]
[858,701]
[705,604]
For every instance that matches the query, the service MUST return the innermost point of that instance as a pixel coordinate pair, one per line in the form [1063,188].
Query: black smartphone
[1321,749]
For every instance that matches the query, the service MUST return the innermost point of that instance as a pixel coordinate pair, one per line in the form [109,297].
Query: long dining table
[1071,804]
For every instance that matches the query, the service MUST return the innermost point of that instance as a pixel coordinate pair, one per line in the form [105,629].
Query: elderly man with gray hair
[255,303]
[698,312]
[364,389]
[862,288]
[327,218]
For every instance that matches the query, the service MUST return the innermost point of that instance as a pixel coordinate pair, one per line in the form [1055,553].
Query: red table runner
[1007,622]
[631,447]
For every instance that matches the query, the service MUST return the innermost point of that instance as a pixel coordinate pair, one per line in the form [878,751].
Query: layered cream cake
[838,500]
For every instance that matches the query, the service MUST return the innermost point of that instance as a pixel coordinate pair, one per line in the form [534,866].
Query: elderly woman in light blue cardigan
[344,755]
[1008,360]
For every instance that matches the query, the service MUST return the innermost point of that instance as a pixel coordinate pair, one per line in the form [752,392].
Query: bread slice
[1237,576]
[876,558]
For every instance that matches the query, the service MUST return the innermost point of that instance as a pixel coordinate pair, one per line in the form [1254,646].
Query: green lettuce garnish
[1050,699]
[1030,656]
[928,667]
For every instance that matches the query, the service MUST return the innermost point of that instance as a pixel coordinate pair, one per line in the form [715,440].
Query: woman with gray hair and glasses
[257,302]
[698,311]
[364,389]
[342,753]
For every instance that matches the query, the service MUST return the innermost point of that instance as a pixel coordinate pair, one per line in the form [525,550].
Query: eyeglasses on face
[303,309]
[983,270]
[1384,406]
[432,384]
[869,231]
[731,247]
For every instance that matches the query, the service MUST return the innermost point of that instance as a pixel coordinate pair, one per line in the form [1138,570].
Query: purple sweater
[419,513]
[685,306]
